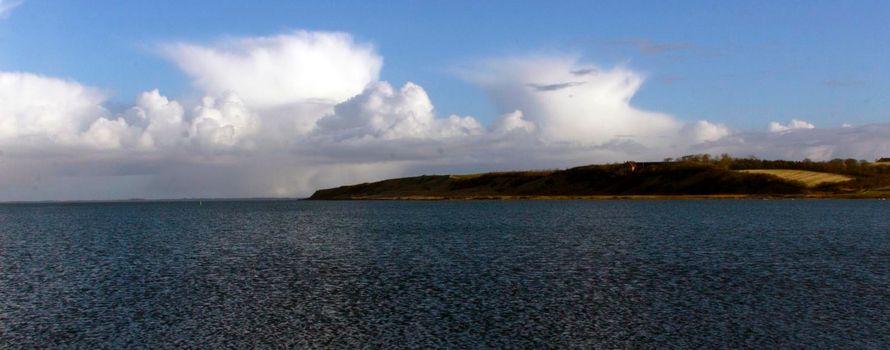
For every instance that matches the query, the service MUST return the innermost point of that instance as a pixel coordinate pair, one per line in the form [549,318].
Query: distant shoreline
[690,177]
[865,196]
[613,197]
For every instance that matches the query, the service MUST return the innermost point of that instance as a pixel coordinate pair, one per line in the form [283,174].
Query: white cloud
[234,149]
[704,131]
[574,102]
[111,134]
[513,122]
[794,124]
[381,112]
[215,123]
[223,121]
[280,70]
[42,114]
[6,6]
[164,120]
[859,142]
[40,110]
[279,117]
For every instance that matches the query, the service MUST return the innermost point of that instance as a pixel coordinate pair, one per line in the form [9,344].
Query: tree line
[852,167]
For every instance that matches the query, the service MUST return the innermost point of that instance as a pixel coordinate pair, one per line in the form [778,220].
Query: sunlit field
[809,178]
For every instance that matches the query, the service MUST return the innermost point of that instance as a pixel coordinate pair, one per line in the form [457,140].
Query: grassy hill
[592,180]
[808,178]
[697,175]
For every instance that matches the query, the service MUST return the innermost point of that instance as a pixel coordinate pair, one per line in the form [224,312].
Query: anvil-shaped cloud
[583,104]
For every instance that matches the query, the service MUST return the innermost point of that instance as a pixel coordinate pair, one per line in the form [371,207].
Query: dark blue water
[589,274]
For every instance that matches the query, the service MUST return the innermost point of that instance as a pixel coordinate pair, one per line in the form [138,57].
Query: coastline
[873,196]
[686,179]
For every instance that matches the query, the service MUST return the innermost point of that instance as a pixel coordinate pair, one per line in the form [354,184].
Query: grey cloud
[555,87]
[585,71]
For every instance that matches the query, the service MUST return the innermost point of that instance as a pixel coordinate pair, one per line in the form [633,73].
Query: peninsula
[693,176]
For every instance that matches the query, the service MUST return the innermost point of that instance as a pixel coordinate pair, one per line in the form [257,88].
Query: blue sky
[741,63]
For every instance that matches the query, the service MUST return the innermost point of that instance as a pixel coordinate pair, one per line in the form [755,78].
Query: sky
[170,99]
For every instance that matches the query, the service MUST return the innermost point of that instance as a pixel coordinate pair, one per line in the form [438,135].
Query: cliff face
[619,179]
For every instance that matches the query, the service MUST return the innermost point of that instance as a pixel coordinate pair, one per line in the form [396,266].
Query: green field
[809,178]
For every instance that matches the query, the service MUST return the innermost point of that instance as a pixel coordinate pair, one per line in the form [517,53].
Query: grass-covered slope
[663,178]
[808,178]
[693,175]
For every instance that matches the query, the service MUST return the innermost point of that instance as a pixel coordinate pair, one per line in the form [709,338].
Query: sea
[446,274]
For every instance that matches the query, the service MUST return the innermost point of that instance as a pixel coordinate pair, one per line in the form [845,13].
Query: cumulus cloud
[42,114]
[284,115]
[381,112]
[860,142]
[257,121]
[513,122]
[223,121]
[582,108]
[569,101]
[234,148]
[40,110]
[164,120]
[6,6]
[703,131]
[794,124]
[110,134]
[215,123]
[275,71]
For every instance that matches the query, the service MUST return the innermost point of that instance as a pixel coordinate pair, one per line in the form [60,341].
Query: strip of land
[690,177]
[862,195]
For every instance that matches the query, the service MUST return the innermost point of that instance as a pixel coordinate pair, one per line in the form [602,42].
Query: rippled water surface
[588,274]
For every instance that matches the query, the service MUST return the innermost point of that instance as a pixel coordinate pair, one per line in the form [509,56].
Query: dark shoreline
[875,196]
[697,177]
[612,197]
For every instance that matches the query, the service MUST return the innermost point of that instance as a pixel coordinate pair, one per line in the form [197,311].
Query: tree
[725,161]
